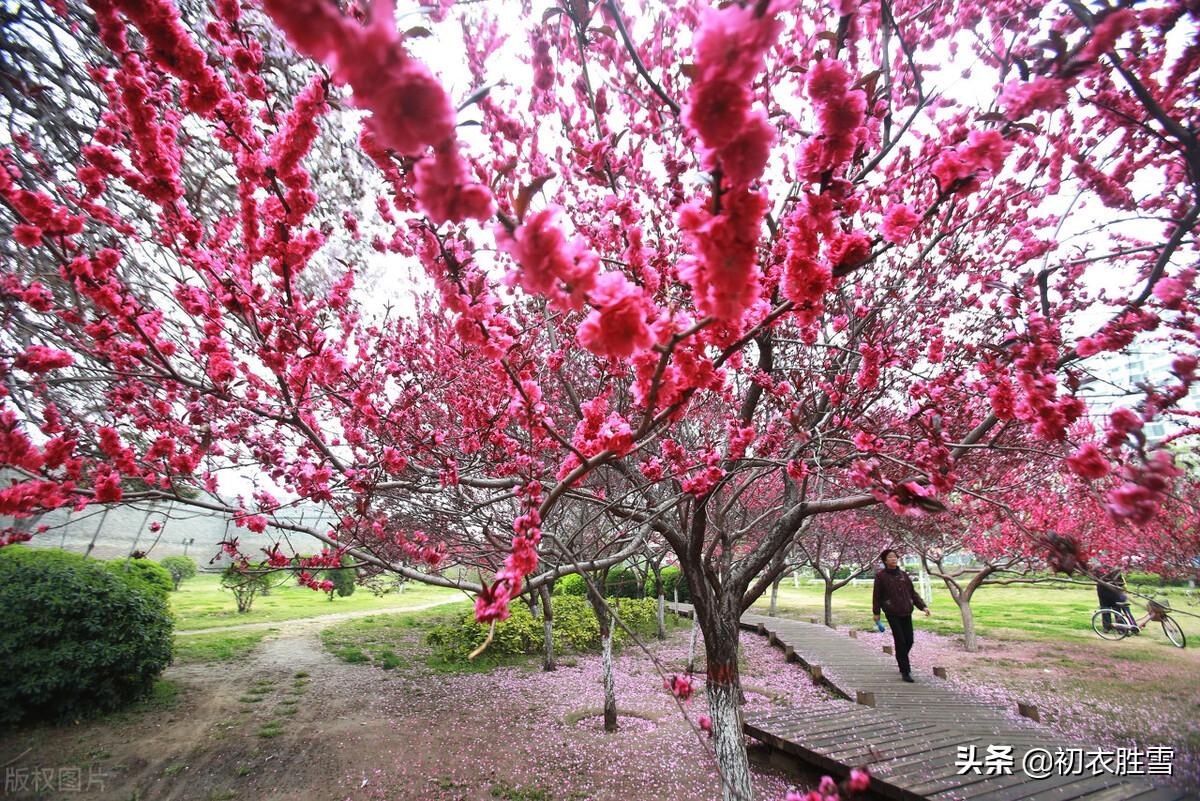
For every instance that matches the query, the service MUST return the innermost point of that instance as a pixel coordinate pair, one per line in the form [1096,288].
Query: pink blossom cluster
[411,112]
[840,111]
[1145,488]
[724,245]
[908,498]
[492,602]
[963,169]
[858,781]
[729,50]
[729,47]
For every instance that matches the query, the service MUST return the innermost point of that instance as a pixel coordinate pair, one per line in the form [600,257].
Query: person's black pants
[902,637]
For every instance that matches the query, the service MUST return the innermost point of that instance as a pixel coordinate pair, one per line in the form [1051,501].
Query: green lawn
[201,603]
[1024,612]
[221,646]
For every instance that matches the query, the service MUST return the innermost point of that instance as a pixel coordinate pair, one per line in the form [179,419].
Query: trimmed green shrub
[671,577]
[575,628]
[180,568]
[1154,579]
[572,584]
[343,578]
[144,575]
[75,638]
[623,583]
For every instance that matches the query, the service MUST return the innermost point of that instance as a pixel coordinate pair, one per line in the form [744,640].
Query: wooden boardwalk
[915,734]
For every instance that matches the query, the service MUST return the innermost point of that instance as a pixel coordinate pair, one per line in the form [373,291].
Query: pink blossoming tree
[713,272]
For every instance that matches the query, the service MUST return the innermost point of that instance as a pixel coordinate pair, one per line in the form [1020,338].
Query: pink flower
[41,359]
[445,189]
[1106,34]
[898,223]
[680,686]
[617,328]
[717,111]
[859,780]
[410,109]
[745,158]
[108,488]
[828,81]
[28,235]
[705,723]
[1040,94]
[547,262]
[1172,291]
[1088,462]
[492,602]
[722,270]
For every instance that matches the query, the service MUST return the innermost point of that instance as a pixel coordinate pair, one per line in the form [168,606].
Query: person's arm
[875,599]
[917,600]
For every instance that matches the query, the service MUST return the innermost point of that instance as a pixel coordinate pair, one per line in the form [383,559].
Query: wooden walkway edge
[915,737]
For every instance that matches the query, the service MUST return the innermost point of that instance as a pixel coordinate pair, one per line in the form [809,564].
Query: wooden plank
[1161,793]
[1057,788]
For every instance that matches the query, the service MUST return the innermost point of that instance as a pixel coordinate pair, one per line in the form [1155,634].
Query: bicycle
[1123,623]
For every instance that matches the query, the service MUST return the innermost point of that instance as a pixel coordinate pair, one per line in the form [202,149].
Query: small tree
[343,578]
[180,568]
[245,583]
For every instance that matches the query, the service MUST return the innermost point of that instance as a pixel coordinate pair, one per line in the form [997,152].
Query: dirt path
[322,620]
[288,721]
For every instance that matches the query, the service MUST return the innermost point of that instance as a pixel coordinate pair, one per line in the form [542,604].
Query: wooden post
[940,672]
[887,649]
[866,698]
[818,675]
[812,620]
[789,653]
[853,634]
[1029,711]
[771,638]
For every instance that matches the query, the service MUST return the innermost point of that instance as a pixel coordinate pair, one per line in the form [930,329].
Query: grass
[385,641]
[221,646]
[201,602]
[270,729]
[1014,612]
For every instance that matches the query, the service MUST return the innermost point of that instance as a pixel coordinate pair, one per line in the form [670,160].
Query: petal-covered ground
[541,734]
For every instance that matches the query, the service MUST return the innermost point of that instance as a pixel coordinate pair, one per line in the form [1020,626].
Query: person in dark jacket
[896,596]
[1111,592]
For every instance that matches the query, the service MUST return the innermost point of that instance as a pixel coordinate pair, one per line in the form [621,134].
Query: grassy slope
[201,603]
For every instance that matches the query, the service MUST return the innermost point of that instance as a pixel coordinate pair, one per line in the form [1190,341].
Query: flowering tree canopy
[707,271]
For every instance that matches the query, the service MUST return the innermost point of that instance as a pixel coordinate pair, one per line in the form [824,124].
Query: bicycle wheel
[1117,631]
[1173,632]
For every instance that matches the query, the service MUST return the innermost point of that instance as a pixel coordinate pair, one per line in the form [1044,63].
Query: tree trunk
[662,604]
[968,620]
[829,604]
[604,618]
[724,692]
[691,663]
[774,596]
[548,662]
[610,690]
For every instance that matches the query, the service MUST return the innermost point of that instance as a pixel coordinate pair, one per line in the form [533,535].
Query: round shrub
[672,577]
[142,574]
[180,568]
[623,583]
[575,628]
[75,638]
[572,584]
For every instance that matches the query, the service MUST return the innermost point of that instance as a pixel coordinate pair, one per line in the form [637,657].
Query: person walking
[896,596]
